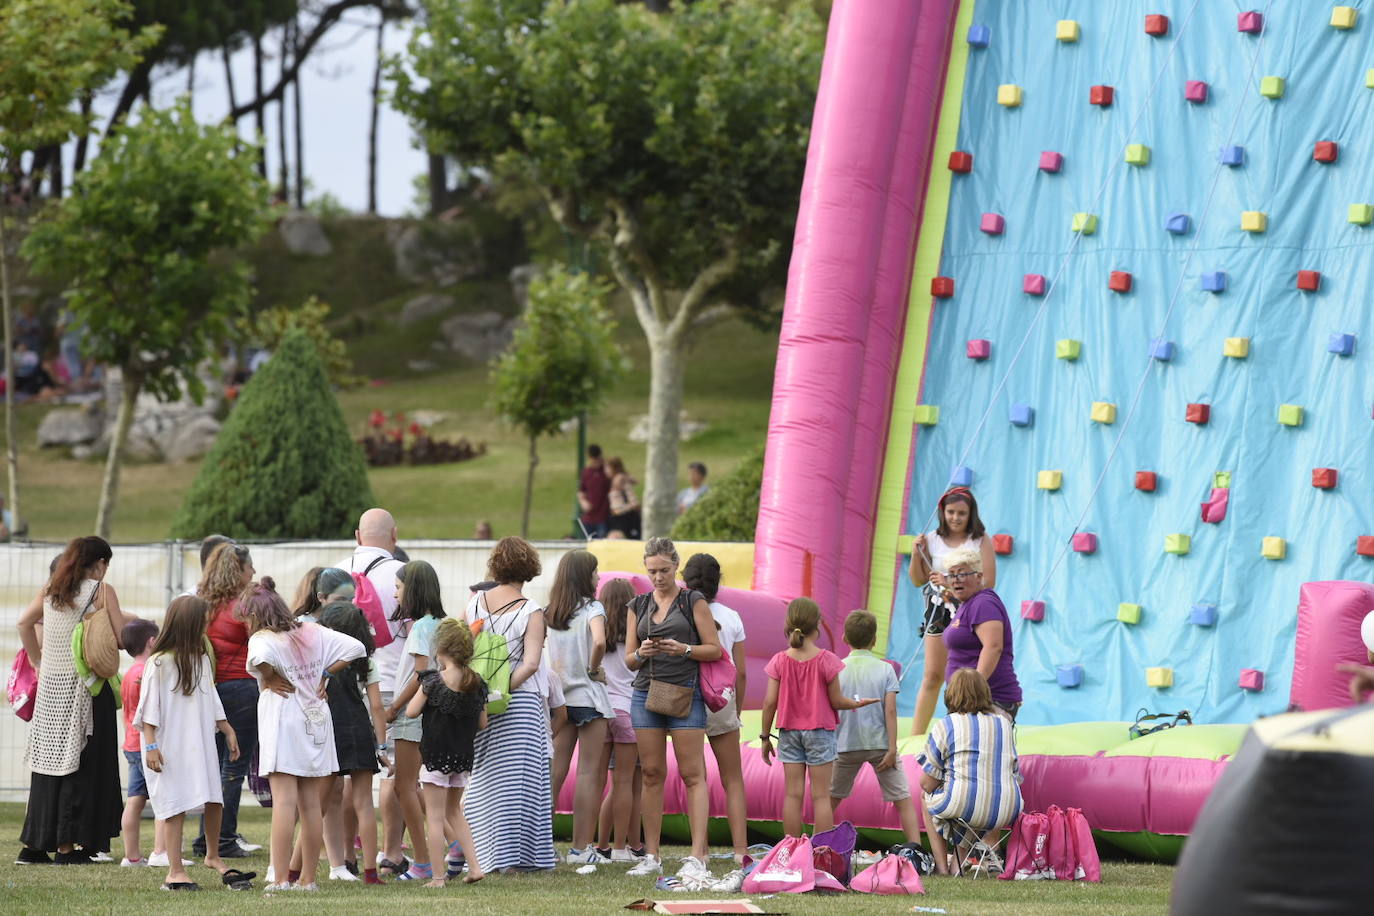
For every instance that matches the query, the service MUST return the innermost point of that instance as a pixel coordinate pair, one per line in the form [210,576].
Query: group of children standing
[321,718]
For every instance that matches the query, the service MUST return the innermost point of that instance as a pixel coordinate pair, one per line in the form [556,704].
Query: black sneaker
[234,852]
[29,856]
[75,857]
[352,866]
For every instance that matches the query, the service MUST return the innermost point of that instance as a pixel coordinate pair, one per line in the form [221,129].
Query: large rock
[303,234]
[425,305]
[687,428]
[520,277]
[194,440]
[439,253]
[478,336]
[70,426]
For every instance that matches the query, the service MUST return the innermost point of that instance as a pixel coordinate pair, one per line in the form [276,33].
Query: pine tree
[284,465]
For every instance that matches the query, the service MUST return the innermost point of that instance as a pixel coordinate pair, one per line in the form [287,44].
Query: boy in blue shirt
[869,735]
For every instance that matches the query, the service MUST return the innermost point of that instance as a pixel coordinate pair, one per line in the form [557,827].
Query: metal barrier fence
[146,577]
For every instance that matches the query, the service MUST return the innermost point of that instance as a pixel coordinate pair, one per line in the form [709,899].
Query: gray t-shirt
[678,625]
[865,675]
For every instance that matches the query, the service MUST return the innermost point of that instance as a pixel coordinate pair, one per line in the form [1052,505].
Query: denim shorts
[812,746]
[137,785]
[403,728]
[643,718]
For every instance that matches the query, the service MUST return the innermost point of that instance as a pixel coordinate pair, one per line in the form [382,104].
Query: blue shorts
[643,718]
[581,715]
[813,746]
[137,785]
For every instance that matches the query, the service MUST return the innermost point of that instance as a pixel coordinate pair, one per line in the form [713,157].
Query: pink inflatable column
[851,255]
[1329,617]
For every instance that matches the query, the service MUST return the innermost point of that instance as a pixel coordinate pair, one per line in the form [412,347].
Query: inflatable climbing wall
[1138,250]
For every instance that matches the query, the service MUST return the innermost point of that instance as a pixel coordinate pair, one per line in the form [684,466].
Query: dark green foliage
[284,465]
[730,509]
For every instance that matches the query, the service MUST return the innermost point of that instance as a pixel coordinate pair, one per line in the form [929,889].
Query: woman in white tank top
[958,526]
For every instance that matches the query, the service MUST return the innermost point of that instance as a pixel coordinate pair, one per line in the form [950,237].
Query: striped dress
[507,802]
[975,757]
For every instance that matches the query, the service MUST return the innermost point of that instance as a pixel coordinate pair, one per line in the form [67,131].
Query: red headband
[957,491]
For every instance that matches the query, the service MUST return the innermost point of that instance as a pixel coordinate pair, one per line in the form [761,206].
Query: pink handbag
[892,875]
[1059,847]
[787,869]
[717,680]
[22,687]
[1026,851]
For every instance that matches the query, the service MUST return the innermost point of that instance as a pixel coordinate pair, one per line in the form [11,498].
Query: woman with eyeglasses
[979,635]
[957,525]
[227,572]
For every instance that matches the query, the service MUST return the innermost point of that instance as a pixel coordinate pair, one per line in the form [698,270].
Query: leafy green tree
[674,141]
[51,53]
[145,245]
[268,327]
[560,364]
[729,511]
[284,465]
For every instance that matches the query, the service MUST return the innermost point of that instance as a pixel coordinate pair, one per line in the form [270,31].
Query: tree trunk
[83,141]
[56,177]
[135,88]
[529,487]
[11,447]
[438,184]
[283,172]
[667,371]
[261,112]
[191,81]
[376,115]
[228,77]
[296,100]
[131,383]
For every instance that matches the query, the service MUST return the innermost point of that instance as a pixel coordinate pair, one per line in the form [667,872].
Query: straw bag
[99,644]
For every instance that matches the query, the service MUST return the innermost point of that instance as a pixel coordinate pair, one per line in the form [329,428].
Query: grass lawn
[728,387]
[1125,888]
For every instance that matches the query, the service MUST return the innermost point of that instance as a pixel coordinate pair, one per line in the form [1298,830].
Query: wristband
[381,748]
[150,747]
[768,738]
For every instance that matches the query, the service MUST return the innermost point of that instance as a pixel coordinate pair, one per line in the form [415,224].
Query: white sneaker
[247,846]
[623,855]
[273,888]
[98,856]
[271,875]
[141,863]
[341,873]
[692,867]
[731,883]
[649,865]
[588,856]
[163,860]
[303,887]
[695,883]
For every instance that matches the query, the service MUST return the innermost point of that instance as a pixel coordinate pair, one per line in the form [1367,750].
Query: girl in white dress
[291,661]
[179,711]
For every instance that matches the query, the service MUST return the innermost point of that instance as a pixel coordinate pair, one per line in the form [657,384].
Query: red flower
[376,419]
[415,430]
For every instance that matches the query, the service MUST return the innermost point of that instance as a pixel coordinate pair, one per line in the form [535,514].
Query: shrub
[284,465]
[730,509]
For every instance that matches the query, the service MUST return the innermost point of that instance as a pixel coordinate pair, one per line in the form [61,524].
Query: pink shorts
[621,730]
[429,777]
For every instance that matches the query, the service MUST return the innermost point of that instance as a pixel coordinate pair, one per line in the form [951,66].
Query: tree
[269,327]
[675,141]
[560,364]
[145,245]
[53,54]
[284,465]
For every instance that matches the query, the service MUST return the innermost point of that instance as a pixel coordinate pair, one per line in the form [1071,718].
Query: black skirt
[354,739]
[84,807]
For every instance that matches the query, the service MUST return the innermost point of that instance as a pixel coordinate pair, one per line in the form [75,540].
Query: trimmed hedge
[284,465]
[730,509]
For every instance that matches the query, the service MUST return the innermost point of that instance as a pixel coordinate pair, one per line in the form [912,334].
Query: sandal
[396,868]
[181,886]
[232,876]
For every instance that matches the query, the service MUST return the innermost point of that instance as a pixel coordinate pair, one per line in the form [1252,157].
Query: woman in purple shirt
[979,636]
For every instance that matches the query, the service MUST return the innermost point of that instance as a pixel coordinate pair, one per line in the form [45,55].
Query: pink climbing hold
[1050,161]
[978,349]
[993,223]
[1251,22]
[1251,679]
[1032,610]
[1195,91]
[1085,542]
[1033,284]
[1214,510]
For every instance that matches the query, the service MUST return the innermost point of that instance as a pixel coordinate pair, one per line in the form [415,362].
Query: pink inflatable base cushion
[1329,617]
[763,617]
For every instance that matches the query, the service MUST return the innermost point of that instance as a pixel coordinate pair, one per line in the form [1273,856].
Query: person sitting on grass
[969,769]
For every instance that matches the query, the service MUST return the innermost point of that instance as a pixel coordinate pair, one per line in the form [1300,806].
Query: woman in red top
[227,573]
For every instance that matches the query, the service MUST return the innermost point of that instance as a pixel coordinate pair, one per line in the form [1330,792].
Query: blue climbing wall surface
[1271,493]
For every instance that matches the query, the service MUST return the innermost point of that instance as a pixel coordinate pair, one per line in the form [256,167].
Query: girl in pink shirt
[804,694]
